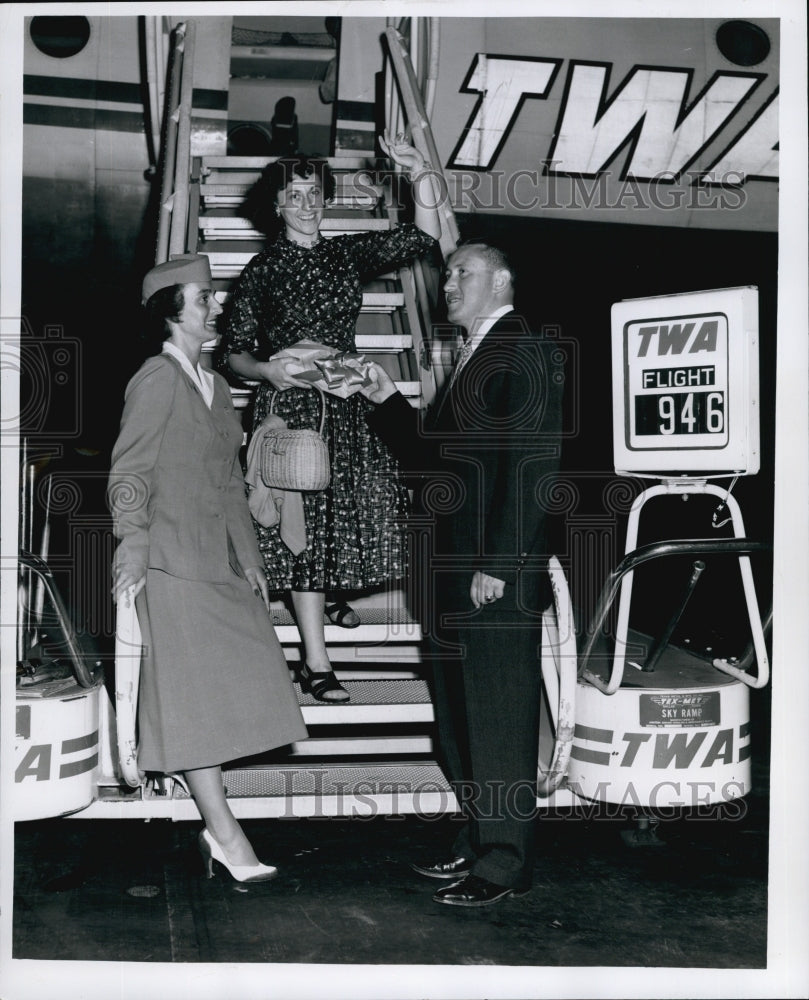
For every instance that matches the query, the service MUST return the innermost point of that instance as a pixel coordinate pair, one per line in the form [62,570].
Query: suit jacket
[486,455]
[176,487]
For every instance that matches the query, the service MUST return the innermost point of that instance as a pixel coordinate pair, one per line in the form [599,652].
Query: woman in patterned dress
[303,287]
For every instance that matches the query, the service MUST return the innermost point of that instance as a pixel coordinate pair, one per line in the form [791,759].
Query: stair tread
[223,214]
[383,342]
[374,693]
[228,257]
[371,301]
[339,746]
[333,224]
[333,778]
[337,163]
[347,188]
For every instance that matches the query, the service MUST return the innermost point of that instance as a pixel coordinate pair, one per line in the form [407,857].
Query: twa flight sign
[685,383]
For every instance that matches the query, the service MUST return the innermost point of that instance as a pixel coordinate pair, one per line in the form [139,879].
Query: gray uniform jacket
[176,487]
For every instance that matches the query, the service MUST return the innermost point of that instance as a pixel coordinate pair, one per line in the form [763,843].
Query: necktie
[463,356]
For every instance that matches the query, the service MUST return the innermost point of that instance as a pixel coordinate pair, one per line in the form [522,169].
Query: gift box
[340,373]
[304,351]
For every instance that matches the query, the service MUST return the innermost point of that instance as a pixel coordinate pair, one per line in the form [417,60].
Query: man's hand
[382,385]
[486,589]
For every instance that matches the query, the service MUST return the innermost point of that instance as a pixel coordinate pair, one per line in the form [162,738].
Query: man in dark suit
[484,455]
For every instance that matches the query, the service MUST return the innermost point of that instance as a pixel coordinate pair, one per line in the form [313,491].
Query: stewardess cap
[180,270]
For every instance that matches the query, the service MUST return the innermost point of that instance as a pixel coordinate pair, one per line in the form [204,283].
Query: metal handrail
[40,568]
[630,562]
[172,227]
[169,151]
[422,137]
[182,164]
[155,59]
[417,117]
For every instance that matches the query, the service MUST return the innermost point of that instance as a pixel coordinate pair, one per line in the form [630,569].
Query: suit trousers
[487,709]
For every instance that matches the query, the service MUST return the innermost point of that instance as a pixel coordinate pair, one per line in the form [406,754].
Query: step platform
[365,790]
[360,195]
[372,302]
[234,227]
[384,619]
[409,388]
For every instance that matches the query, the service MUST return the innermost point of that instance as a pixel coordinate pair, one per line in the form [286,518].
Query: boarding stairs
[387,723]
[374,754]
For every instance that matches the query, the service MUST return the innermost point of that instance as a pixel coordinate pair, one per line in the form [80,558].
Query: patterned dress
[288,293]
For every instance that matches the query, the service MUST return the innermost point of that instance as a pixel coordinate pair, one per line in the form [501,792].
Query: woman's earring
[278,211]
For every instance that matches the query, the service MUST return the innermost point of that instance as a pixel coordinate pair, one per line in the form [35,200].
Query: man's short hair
[495,255]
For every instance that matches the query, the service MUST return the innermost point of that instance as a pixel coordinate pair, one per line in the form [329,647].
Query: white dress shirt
[201,378]
[474,340]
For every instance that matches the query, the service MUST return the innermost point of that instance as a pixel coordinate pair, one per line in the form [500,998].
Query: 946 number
[692,413]
[681,413]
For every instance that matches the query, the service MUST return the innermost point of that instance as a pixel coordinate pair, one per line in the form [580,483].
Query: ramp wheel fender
[128,650]
[559,675]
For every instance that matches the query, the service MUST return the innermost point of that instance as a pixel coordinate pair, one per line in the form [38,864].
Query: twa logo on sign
[679,396]
[651,114]
[685,383]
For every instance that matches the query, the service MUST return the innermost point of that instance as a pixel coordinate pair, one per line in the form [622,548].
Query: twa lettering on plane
[650,114]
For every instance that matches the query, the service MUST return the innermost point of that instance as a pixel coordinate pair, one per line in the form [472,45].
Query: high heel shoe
[211,851]
[180,779]
[321,684]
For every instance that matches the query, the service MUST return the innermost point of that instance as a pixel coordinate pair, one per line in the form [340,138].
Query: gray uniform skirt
[214,683]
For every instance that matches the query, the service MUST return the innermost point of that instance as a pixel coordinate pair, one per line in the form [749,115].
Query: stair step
[412,390]
[384,342]
[382,632]
[227,258]
[298,790]
[371,702]
[232,227]
[332,778]
[242,396]
[258,163]
[382,302]
[281,62]
[228,262]
[348,194]
[344,746]
[372,302]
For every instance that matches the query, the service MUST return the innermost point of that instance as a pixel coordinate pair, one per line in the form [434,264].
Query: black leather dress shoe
[475,891]
[452,868]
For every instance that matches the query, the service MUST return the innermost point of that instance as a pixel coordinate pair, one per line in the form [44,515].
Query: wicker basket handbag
[296,459]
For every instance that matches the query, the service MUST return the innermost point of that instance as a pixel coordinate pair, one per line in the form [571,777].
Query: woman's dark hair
[166,304]
[259,205]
